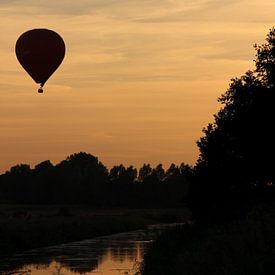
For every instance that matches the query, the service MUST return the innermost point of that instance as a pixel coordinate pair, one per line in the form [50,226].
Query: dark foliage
[237,150]
[82,179]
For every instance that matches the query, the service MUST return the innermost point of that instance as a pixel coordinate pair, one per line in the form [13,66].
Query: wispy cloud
[136,73]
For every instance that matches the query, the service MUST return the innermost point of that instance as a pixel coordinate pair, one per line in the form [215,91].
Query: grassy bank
[28,227]
[243,247]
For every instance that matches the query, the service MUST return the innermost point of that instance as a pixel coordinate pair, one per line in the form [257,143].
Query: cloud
[212,10]
[106,41]
[131,66]
[77,8]
[119,9]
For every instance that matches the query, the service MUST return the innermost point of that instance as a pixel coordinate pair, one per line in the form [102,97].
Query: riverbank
[28,227]
[240,247]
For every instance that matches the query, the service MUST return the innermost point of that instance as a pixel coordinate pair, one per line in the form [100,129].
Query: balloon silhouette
[40,52]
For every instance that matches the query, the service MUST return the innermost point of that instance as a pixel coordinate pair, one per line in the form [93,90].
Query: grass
[28,227]
[240,247]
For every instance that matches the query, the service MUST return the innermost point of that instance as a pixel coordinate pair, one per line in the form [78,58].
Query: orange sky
[139,81]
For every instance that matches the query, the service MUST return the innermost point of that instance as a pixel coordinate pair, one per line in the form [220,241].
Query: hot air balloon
[40,52]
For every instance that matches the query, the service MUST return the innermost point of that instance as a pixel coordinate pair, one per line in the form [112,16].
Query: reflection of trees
[15,263]
[58,270]
[79,258]
[79,267]
[127,251]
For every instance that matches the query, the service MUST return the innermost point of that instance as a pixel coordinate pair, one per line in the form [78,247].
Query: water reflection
[110,255]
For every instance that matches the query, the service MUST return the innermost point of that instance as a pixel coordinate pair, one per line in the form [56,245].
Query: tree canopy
[237,149]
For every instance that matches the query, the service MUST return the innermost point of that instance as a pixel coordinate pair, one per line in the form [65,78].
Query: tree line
[82,179]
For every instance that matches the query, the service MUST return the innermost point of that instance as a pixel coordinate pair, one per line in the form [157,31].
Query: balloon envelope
[40,52]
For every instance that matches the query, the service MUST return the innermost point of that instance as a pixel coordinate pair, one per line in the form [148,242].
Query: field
[26,227]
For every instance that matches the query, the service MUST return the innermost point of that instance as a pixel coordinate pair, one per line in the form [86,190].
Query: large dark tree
[17,178]
[79,178]
[237,149]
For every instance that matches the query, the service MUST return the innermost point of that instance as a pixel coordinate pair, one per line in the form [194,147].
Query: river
[117,254]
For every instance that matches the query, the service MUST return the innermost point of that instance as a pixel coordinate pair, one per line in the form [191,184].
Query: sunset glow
[139,81]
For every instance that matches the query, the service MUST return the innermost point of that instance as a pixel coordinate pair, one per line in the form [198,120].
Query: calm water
[109,255]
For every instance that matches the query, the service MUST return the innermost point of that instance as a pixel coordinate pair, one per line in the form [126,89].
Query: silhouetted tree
[130,175]
[121,175]
[172,173]
[43,167]
[79,178]
[186,170]
[159,172]
[20,170]
[237,149]
[44,184]
[17,184]
[144,172]
[115,173]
